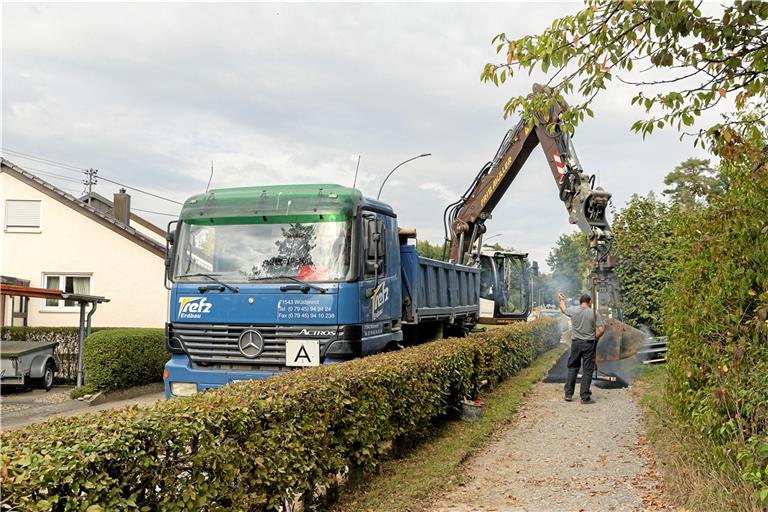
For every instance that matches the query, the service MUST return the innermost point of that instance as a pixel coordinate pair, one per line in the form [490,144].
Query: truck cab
[266,279]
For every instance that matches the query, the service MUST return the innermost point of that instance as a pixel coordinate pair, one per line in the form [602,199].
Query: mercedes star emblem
[251,344]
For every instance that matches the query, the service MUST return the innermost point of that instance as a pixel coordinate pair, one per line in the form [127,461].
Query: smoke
[625,370]
[549,285]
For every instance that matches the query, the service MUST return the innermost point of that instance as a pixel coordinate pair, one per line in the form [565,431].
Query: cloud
[150,94]
[441,192]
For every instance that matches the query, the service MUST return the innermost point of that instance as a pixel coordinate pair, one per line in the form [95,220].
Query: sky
[150,95]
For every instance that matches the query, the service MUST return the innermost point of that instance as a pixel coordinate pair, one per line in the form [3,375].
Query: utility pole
[90,181]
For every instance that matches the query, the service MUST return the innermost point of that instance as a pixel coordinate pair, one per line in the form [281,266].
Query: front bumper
[178,369]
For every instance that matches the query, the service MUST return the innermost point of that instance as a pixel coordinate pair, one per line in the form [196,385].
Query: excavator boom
[585,204]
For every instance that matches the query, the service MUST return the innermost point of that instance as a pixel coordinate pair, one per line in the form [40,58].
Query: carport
[12,290]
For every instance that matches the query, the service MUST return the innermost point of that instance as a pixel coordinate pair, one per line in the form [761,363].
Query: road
[19,407]
[563,456]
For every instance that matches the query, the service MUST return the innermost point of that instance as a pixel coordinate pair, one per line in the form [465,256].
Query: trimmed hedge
[66,350]
[121,358]
[254,445]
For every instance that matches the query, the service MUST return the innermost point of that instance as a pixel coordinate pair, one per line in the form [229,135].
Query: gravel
[565,456]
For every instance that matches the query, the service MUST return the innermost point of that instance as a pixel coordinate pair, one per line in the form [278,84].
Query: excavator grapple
[620,341]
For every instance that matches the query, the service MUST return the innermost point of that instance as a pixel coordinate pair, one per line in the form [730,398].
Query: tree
[692,182]
[645,249]
[547,288]
[707,63]
[428,250]
[571,262]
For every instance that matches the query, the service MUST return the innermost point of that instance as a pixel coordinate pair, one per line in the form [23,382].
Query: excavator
[465,219]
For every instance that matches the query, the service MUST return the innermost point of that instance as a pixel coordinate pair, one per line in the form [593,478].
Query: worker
[586,329]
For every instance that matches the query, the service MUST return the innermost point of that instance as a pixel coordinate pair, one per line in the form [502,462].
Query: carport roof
[46,293]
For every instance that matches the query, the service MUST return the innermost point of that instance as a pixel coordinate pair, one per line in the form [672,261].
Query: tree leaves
[717,292]
[703,59]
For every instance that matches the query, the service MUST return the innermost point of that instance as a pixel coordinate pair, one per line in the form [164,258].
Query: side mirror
[170,240]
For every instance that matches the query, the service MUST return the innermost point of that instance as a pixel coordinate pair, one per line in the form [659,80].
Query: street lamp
[396,168]
[493,236]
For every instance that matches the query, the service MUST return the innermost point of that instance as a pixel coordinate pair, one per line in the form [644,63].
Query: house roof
[92,213]
[104,205]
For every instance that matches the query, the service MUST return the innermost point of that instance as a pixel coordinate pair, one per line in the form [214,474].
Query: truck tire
[46,381]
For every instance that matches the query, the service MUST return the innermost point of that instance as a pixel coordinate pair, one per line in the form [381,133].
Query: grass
[436,465]
[694,478]
[83,390]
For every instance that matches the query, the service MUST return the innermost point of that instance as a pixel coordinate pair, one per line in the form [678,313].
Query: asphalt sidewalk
[19,407]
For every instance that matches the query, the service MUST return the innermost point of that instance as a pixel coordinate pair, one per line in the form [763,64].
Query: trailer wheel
[46,381]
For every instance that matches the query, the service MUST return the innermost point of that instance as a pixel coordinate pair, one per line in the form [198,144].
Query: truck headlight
[183,388]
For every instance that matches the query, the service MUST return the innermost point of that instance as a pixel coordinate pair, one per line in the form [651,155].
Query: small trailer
[28,363]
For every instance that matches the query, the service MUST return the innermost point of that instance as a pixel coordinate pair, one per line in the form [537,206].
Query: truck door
[379,282]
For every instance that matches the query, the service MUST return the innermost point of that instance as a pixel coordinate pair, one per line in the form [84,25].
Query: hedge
[716,316]
[121,358]
[253,445]
[66,350]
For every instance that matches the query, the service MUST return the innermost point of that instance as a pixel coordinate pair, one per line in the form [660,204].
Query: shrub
[646,251]
[252,445]
[121,358]
[715,316]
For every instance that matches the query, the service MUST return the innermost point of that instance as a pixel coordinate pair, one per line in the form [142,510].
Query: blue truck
[268,279]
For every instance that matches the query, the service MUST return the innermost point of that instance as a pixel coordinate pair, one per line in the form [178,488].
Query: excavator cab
[505,286]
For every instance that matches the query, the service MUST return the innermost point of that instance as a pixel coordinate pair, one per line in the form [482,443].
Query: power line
[139,190]
[44,160]
[53,175]
[82,169]
[156,213]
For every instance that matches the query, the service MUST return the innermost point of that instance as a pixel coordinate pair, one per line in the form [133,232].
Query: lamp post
[396,168]
[493,236]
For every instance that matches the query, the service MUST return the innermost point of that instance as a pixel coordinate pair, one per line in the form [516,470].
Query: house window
[22,216]
[70,283]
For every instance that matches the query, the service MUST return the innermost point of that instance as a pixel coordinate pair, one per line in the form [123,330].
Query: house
[91,245]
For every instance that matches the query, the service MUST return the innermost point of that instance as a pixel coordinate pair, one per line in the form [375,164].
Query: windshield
[511,270]
[314,251]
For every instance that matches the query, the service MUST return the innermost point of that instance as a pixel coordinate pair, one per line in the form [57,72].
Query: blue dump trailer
[268,279]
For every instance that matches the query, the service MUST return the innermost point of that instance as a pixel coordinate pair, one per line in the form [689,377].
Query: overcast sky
[292,93]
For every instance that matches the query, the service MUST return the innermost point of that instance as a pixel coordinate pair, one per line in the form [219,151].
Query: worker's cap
[585,298]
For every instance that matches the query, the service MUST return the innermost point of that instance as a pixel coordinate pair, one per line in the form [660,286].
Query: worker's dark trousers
[582,352]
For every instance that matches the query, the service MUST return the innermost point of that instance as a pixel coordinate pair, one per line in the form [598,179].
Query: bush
[66,350]
[252,445]
[121,358]
[646,250]
[715,315]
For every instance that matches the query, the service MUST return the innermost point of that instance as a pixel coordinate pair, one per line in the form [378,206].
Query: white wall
[123,271]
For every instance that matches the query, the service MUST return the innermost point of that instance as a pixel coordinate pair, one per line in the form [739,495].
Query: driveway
[19,407]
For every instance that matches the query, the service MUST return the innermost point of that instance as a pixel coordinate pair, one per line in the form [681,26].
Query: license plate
[302,353]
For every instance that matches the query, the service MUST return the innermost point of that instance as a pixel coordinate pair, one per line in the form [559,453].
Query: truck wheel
[46,381]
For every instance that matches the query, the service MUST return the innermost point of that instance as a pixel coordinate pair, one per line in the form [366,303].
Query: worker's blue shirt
[583,322]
